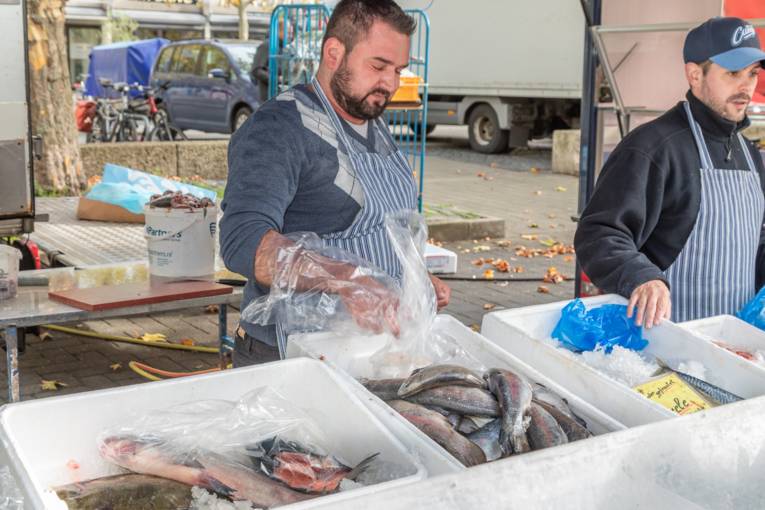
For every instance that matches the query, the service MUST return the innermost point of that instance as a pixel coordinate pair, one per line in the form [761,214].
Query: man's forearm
[313,271]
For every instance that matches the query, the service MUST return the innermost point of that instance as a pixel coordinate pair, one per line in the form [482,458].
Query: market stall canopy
[128,62]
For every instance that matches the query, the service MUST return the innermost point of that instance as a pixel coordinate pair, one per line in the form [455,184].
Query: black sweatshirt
[648,194]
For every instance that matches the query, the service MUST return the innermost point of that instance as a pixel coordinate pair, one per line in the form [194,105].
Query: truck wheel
[484,132]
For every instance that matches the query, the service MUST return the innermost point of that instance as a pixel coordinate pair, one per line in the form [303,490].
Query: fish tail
[361,466]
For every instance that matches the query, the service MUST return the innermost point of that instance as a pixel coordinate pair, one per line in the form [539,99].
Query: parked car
[206,85]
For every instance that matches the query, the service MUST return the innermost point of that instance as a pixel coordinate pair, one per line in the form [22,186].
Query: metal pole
[12,360]
[588,117]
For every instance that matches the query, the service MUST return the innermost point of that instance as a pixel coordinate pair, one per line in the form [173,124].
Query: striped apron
[715,272]
[388,185]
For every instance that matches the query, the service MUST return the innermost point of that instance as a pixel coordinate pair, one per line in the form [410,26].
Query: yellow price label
[674,394]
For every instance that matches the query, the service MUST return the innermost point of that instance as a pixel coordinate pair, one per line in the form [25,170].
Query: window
[243,54]
[214,59]
[185,60]
[163,62]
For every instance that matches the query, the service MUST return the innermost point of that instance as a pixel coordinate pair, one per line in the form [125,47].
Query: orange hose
[169,374]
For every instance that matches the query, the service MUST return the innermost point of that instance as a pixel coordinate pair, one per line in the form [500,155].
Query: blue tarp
[129,62]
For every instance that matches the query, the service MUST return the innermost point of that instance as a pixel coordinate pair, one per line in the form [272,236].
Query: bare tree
[51,103]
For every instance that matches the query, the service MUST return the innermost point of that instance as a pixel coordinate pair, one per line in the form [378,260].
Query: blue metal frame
[294,59]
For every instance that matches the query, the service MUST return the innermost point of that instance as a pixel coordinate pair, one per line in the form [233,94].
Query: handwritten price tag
[673,393]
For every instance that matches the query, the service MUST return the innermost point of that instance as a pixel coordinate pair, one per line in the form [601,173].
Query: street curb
[443,229]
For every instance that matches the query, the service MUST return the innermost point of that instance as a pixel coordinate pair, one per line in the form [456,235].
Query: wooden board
[134,294]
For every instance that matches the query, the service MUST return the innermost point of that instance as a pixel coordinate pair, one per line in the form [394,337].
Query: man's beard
[354,106]
[719,107]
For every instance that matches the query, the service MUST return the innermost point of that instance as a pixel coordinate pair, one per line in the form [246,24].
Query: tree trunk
[244,22]
[51,104]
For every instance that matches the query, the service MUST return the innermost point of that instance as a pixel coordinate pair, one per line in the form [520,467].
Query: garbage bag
[754,311]
[604,327]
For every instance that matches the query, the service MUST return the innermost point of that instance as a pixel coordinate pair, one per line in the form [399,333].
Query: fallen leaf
[46,385]
[568,258]
[488,274]
[115,366]
[519,269]
[466,250]
[153,337]
[493,165]
[534,170]
[187,341]
[45,336]
[489,306]
[530,237]
[504,243]
[477,262]
[481,248]
[548,242]
[476,328]
[487,239]
[489,178]
[211,309]
[501,265]
[533,225]
[538,193]
[543,290]
[560,188]
[480,174]
[553,276]
[551,216]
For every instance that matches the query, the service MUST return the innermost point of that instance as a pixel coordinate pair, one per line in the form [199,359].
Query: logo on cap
[741,34]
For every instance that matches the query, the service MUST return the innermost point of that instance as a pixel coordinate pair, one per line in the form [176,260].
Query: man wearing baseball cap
[676,220]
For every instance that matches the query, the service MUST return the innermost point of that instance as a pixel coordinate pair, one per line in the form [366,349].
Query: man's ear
[694,74]
[333,54]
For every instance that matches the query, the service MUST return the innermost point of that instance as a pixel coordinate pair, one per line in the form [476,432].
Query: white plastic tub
[181,242]
[43,435]
[9,271]
[708,460]
[348,354]
[729,330]
[520,331]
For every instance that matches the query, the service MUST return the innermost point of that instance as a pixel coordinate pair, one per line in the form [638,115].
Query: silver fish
[460,399]
[467,425]
[544,431]
[439,375]
[543,394]
[436,427]
[386,389]
[573,429]
[487,438]
[715,393]
[514,394]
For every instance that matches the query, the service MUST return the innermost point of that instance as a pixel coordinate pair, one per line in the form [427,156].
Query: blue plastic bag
[132,189]
[754,311]
[604,327]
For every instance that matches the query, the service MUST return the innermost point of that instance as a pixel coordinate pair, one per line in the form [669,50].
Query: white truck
[509,69]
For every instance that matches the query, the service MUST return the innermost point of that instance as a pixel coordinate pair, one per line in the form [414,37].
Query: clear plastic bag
[754,311]
[10,494]
[413,343]
[603,327]
[261,449]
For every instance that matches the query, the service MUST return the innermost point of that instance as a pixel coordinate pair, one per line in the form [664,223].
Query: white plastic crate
[440,260]
[43,435]
[349,354]
[711,459]
[521,330]
[729,330]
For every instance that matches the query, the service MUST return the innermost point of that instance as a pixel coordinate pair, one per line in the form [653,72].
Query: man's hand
[443,292]
[371,304]
[652,302]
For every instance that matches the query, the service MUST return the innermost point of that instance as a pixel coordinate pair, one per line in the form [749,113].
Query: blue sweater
[288,172]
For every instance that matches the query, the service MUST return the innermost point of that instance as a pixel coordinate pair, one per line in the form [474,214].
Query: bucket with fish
[300,437]
[627,382]
[481,405]
[731,333]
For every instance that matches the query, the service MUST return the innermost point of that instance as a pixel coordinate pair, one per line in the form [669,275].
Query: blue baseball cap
[731,43]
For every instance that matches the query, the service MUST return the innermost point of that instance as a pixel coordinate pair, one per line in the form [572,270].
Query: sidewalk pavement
[532,203]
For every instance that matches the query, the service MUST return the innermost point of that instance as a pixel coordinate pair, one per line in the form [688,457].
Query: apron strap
[333,117]
[747,153]
[698,137]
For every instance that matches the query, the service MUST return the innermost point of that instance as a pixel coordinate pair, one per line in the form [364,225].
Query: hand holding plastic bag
[604,327]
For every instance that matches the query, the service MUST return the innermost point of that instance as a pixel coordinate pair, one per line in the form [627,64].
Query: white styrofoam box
[712,459]
[730,330]
[440,260]
[350,354]
[521,330]
[43,435]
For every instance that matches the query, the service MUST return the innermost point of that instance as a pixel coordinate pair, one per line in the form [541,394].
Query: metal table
[32,307]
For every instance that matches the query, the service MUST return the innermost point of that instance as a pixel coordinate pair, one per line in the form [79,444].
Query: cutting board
[134,294]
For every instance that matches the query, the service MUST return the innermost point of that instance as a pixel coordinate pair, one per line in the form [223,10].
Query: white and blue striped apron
[388,185]
[715,272]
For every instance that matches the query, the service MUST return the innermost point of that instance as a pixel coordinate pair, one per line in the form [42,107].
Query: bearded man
[319,158]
